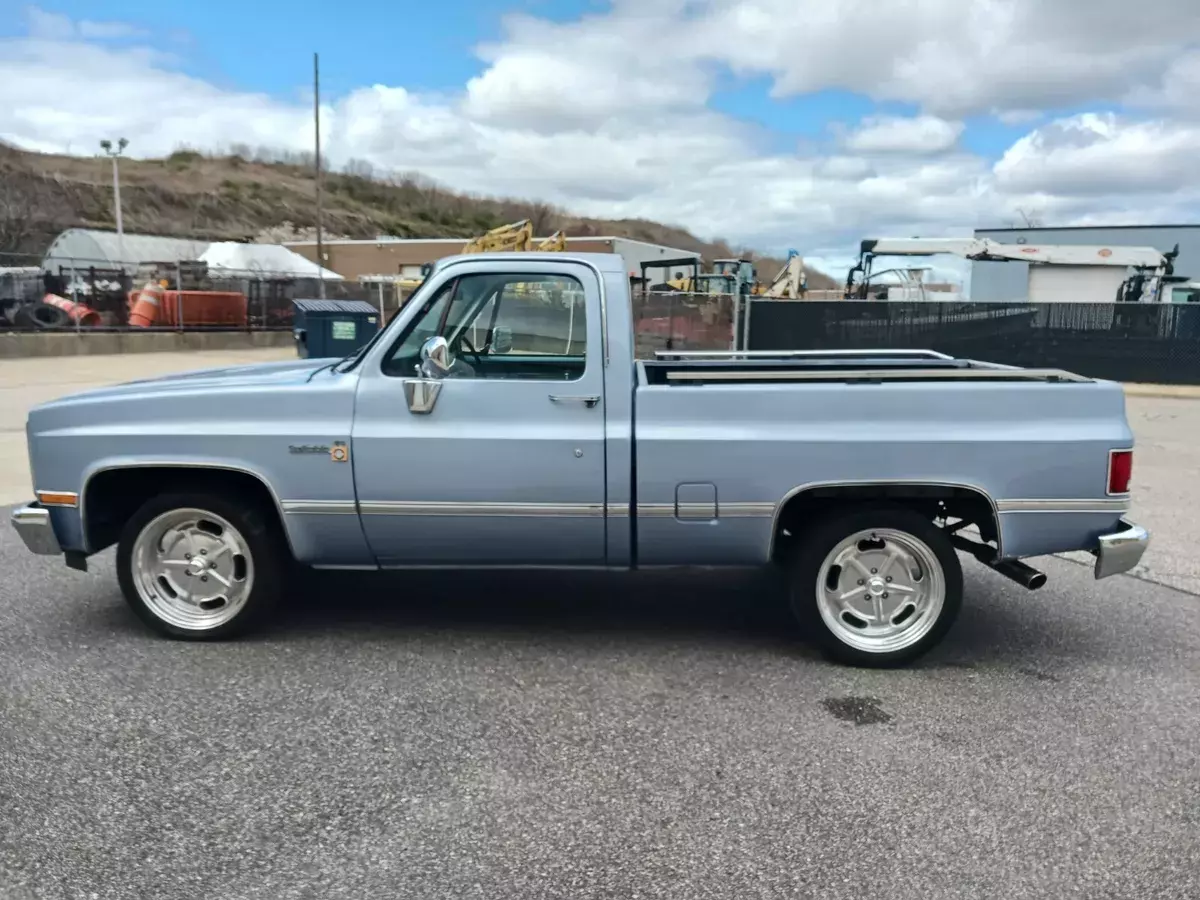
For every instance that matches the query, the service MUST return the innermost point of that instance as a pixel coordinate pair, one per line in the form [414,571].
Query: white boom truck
[1055,272]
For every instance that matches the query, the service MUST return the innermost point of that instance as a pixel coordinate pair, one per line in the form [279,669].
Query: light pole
[317,173]
[114,153]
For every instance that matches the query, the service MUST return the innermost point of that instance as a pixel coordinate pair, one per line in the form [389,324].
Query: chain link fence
[1126,342]
[187,296]
[679,321]
[93,294]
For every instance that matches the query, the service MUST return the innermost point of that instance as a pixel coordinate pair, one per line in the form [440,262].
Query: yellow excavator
[791,283]
[516,236]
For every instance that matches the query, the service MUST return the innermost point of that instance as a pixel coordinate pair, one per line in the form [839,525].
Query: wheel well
[968,505]
[114,495]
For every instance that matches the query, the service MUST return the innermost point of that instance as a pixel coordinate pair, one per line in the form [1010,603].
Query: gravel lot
[500,737]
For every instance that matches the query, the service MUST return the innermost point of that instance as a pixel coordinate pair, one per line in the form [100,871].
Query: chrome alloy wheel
[880,590]
[192,569]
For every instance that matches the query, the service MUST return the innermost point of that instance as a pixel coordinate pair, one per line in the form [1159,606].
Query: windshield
[357,356]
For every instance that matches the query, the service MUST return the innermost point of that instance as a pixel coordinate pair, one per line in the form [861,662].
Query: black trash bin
[332,328]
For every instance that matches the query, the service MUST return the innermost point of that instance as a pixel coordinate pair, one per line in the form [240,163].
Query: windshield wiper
[350,357]
[333,365]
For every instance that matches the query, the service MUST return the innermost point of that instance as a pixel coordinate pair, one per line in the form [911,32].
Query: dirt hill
[269,196]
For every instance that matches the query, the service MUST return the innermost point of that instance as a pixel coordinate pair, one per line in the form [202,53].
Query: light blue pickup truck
[501,419]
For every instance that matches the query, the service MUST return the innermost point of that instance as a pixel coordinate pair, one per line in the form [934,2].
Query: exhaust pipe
[1026,576]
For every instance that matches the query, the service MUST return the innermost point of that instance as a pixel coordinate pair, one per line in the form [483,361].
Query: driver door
[506,468]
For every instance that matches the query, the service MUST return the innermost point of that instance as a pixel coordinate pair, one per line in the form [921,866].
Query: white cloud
[897,134]
[57,27]
[951,58]
[608,115]
[1093,155]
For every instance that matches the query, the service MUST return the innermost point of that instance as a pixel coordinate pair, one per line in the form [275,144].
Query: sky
[775,124]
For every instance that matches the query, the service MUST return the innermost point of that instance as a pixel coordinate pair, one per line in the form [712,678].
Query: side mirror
[502,339]
[436,358]
[421,393]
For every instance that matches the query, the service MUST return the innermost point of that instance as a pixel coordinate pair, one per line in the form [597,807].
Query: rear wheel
[876,586]
[200,566]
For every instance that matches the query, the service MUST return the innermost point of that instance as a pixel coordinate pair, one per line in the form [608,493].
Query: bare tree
[543,217]
[359,168]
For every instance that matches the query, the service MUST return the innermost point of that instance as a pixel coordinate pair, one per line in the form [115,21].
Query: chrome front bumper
[1122,550]
[33,525]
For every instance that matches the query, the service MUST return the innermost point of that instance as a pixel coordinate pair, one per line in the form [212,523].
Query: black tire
[40,315]
[263,539]
[820,538]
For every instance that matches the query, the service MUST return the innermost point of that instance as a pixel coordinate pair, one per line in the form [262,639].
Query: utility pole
[317,141]
[114,153]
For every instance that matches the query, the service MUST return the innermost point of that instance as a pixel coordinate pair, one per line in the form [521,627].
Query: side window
[421,329]
[502,327]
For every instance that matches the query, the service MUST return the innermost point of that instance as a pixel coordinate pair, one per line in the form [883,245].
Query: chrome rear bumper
[32,523]
[1122,550]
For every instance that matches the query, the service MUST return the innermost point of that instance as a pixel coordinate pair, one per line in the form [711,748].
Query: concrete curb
[16,345]
[1172,391]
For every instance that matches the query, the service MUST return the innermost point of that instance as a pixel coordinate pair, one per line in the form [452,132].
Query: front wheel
[876,586]
[200,566]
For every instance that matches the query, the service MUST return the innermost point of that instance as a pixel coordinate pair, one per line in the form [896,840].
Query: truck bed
[740,431]
[849,366]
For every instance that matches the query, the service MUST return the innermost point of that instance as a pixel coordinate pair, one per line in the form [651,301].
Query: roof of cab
[605,262]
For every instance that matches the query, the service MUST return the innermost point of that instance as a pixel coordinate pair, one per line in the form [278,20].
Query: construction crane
[1152,268]
[791,282]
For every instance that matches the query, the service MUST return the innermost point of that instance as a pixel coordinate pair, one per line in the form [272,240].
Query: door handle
[589,402]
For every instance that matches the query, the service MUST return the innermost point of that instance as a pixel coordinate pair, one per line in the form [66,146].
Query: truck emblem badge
[338,452]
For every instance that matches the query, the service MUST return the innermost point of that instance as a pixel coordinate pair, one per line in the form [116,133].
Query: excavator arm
[791,282]
[516,236]
[556,243]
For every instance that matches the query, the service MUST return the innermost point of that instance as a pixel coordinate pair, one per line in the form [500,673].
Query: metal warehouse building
[77,249]
[404,257]
[83,247]
[1001,282]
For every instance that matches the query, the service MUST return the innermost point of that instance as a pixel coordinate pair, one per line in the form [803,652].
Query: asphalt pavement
[26,382]
[490,737]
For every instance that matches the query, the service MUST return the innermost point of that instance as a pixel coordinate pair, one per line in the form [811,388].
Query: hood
[253,373]
[206,381]
[289,372]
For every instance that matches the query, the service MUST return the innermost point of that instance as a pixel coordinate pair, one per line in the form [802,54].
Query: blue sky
[266,45]
[773,123]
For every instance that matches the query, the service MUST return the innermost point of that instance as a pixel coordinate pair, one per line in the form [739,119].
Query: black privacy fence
[1132,342]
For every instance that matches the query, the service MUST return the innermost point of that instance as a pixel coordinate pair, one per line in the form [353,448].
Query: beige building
[404,257]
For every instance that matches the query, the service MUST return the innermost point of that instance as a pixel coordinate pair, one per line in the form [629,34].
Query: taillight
[1120,471]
